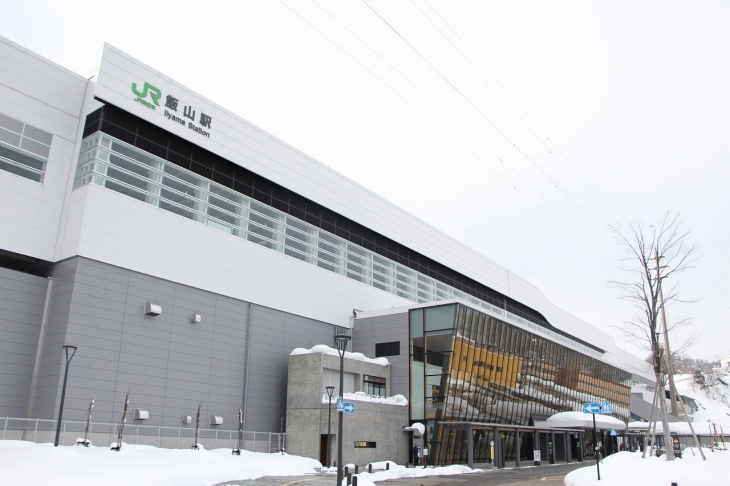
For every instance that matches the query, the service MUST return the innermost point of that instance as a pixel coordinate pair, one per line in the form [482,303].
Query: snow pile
[138,465]
[629,468]
[364,397]
[397,472]
[324,349]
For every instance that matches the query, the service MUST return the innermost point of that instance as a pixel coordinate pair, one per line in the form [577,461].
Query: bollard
[356,468]
[674,484]
[347,471]
[387,466]
[349,479]
[370,468]
[354,481]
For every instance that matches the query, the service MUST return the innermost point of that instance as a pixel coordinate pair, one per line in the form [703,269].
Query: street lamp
[340,343]
[329,389]
[66,348]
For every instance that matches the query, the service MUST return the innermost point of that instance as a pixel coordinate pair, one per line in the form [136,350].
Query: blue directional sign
[606,407]
[593,407]
[340,405]
[348,407]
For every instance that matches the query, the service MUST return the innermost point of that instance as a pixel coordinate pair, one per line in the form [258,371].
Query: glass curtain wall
[471,367]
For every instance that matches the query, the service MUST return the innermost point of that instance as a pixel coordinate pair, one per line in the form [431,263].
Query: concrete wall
[22,297]
[306,419]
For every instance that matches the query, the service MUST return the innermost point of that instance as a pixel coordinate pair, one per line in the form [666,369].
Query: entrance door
[323,450]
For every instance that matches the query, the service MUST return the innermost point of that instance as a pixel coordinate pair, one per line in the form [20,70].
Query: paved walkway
[525,476]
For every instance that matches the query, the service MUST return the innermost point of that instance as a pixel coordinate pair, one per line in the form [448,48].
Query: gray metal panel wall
[22,297]
[167,363]
[48,388]
[384,329]
[274,335]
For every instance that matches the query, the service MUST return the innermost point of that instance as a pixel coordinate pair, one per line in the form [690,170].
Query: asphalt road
[525,476]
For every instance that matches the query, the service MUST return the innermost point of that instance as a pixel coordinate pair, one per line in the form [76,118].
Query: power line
[477,139]
[504,135]
[542,207]
[592,189]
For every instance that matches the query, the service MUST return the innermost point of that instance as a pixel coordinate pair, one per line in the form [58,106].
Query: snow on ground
[397,472]
[364,397]
[713,400]
[324,349]
[137,465]
[629,468]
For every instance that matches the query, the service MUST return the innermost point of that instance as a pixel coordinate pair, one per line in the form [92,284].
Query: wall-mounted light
[195,318]
[141,414]
[187,419]
[216,420]
[151,309]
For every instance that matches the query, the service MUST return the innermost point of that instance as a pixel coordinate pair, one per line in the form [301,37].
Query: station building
[187,252]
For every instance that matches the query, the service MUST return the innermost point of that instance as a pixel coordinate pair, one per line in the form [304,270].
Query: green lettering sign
[153,91]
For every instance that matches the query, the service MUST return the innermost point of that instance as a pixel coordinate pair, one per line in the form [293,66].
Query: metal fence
[105,433]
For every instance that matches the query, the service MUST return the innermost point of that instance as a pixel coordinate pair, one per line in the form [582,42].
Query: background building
[129,189]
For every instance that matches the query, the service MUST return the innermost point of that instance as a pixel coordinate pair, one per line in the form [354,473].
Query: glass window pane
[441,317]
[37,135]
[9,137]
[416,316]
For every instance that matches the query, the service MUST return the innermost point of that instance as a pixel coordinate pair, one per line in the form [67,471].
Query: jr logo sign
[154,93]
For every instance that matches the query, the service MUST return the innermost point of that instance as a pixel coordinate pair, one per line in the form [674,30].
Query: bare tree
[654,255]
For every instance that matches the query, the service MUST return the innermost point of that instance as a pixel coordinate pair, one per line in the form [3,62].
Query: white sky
[633,96]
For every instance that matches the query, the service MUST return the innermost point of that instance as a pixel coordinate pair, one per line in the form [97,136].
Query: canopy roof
[581,420]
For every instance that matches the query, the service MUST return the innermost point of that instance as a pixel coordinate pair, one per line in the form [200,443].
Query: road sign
[606,407]
[348,407]
[592,407]
[340,406]
[613,432]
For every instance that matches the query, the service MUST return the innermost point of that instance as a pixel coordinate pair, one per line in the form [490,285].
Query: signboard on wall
[139,89]
[175,109]
[364,444]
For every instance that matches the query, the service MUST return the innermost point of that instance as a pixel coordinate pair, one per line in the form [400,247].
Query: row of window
[118,166]
[24,148]
[151,139]
[469,366]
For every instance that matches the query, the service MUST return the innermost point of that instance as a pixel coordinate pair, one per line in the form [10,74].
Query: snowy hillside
[712,397]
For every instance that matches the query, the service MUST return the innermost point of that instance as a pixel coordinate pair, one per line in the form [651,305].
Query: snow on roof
[583,420]
[681,428]
[364,397]
[560,416]
[419,427]
[324,349]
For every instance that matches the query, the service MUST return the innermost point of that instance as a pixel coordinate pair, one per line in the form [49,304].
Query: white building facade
[129,188]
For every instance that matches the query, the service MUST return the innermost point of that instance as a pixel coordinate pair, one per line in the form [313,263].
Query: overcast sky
[521,128]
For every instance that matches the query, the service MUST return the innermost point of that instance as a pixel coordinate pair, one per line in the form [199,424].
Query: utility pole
[668,358]
[667,355]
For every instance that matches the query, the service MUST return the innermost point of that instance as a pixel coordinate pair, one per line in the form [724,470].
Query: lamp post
[329,389]
[340,343]
[66,348]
